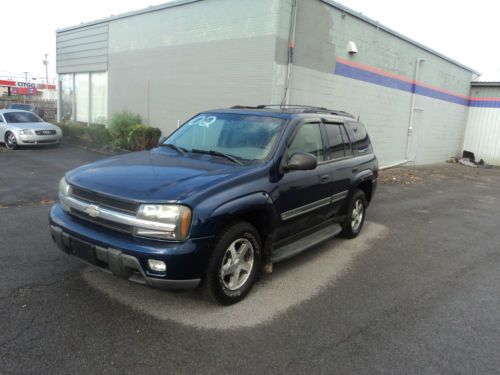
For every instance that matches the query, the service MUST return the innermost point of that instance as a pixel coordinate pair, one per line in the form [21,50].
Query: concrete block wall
[170,64]
[322,35]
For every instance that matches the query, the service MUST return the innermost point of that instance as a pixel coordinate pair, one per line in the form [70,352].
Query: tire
[229,278]
[355,217]
[10,141]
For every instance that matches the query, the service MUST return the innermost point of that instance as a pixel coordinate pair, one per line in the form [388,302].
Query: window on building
[66,98]
[99,98]
[82,99]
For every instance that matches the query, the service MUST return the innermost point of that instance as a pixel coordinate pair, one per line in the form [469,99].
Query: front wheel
[355,215]
[10,141]
[235,262]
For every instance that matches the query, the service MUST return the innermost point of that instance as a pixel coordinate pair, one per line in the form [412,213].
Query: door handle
[354,170]
[324,178]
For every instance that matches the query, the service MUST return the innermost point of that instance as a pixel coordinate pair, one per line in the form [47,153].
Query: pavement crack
[26,289]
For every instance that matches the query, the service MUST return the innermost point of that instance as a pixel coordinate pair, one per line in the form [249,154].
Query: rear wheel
[234,264]
[355,215]
[10,141]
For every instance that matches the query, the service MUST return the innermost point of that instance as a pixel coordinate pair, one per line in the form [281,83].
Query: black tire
[10,141]
[352,227]
[237,237]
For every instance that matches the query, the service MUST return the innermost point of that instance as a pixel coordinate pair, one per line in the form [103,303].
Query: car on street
[226,195]
[25,128]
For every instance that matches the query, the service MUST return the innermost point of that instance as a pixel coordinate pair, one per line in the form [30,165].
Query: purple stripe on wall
[358,73]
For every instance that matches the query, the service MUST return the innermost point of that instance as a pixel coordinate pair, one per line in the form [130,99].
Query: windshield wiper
[217,153]
[181,150]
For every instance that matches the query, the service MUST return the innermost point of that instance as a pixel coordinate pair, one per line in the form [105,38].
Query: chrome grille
[102,200]
[102,222]
[45,132]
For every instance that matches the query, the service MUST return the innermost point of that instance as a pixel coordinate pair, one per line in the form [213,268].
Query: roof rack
[298,107]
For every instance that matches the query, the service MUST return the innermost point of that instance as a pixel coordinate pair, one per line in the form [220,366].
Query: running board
[305,243]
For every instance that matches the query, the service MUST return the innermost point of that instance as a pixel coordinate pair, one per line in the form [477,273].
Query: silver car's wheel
[10,141]
[237,264]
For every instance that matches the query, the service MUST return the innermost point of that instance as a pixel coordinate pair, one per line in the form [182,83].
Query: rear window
[338,141]
[24,107]
[361,140]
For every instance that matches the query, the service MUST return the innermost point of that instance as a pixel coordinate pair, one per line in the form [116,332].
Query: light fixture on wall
[351,48]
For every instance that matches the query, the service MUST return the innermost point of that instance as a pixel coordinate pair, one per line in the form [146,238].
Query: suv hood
[159,175]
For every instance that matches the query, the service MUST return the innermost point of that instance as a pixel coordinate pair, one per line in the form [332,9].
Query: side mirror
[301,161]
[161,140]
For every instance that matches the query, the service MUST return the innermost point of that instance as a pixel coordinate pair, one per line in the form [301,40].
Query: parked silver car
[24,128]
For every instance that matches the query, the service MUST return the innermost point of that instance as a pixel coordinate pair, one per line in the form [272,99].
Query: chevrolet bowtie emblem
[92,210]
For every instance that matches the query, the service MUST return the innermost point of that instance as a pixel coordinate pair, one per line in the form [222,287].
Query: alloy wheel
[237,264]
[357,215]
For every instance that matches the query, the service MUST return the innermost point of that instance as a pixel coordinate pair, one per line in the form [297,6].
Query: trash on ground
[469,160]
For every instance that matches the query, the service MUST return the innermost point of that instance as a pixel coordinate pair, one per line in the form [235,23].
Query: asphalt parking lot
[418,292]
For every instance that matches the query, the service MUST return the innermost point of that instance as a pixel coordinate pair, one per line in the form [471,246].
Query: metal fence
[46,108]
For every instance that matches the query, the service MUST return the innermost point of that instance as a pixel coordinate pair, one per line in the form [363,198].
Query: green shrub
[142,137]
[121,122]
[133,137]
[98,136]
[152,137]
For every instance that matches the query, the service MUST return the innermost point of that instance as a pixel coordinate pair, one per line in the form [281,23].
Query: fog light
[157,265]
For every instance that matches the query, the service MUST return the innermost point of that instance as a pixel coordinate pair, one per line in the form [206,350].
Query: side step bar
[305,243]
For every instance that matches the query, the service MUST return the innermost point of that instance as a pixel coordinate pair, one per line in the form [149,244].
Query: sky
[462,30]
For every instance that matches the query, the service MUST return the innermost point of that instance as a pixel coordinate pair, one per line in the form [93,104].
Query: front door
[304,196]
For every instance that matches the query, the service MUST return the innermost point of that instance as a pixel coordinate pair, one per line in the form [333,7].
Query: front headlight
[64,187]
[65,190]
[26,132]
[178,216]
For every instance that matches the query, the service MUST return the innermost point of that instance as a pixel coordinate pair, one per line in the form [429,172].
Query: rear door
[341,163]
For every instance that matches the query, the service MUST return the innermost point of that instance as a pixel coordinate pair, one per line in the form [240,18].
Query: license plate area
[83,250]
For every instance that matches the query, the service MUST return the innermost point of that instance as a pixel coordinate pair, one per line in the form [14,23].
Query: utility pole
[25,80]
[46,63]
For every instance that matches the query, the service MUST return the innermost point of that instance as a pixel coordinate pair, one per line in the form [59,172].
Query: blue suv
[225,196]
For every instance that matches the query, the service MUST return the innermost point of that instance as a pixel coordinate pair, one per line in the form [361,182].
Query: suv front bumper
[126,257]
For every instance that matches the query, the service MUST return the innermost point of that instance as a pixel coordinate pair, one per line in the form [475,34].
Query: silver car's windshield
[240,136]
[19,117]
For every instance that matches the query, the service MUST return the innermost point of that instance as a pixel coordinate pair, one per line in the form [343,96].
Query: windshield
[17,117]
[247,137]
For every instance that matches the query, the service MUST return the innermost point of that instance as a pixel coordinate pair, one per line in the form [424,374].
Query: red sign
[23,90]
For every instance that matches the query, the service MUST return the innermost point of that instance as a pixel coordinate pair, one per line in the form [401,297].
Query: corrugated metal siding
[83,50]
[482,136]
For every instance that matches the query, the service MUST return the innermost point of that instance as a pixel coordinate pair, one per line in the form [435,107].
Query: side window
[347,142]
[308,139]
[335,141]
[361,139]
[1,118]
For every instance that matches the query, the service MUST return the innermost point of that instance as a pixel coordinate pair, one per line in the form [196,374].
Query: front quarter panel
[259,203]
